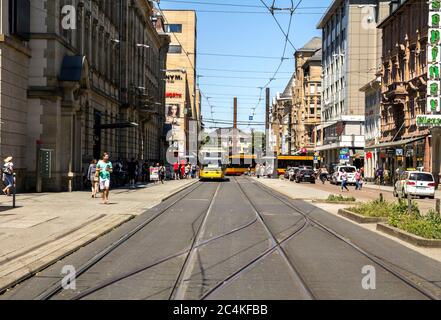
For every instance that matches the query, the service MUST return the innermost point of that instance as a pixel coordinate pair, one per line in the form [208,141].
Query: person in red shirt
[176,170]
[182,171]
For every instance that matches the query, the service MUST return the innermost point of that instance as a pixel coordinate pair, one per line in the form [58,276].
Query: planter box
[352,203]
[360,218]
[408,237]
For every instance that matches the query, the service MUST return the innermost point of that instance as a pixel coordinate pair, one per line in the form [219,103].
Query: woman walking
[91,176]
[8,176]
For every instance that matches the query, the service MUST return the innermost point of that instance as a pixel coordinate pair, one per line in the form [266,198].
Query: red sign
[173,95]
[369,155]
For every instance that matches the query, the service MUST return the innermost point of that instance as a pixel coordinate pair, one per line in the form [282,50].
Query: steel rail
[54,289]
[365,253]
[276,245]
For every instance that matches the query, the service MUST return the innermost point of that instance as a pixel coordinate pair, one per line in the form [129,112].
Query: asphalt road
[236,240]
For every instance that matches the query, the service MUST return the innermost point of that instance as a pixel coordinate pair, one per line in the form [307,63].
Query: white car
[415,183]
[350,170]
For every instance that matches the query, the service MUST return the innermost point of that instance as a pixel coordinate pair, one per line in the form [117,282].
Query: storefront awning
[395,143]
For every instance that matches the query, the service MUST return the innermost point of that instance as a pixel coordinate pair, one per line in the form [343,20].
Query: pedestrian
[176,170]
[132,168]
[257,171]
[91,176]
[193,171]
[103,170]
[145,171]
[187,170]
[344,180]
[358,180]
[182,170]
[8,176]
[263,170]
[379,176]
[161,173]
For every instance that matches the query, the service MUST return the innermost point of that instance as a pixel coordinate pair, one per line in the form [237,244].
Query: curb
[34,267]
[409,237]
[360,218]
[336,202]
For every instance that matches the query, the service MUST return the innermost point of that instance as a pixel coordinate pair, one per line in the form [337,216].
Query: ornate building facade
[307,94]
[403,87]
[94,85]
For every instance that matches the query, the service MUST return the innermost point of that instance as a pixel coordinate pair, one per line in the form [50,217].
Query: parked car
[415,183]
[305,175]
[350,170]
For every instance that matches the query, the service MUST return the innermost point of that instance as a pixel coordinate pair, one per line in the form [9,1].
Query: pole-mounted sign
[434,57]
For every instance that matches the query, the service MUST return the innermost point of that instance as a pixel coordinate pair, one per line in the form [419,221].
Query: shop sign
[399,152]
[173,78]
[428,121]
[173,95]
[390,152]
[434,57]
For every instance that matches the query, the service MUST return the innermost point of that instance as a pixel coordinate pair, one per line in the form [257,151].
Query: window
[175,49]
[173,28]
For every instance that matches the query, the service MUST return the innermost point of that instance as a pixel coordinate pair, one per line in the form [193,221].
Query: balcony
[396,93]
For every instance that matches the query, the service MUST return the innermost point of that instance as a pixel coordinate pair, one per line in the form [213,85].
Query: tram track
[185,273]
[412,281]
[57,287]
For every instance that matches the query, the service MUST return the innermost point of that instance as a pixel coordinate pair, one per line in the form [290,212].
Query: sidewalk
[46,227]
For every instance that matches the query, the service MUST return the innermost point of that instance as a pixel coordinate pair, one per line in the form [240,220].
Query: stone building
[349,62]
[307,94]
[282,120]
[83,78]
[403,88]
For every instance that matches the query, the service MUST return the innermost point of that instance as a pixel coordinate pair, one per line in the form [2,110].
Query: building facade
[349,62]
[404,83]
[372,126]
[282,120]
[87,80]
[182,95]
[307,94]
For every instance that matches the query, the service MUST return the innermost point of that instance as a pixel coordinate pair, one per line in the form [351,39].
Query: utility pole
[235,151]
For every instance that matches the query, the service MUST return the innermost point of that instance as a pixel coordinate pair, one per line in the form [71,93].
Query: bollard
[409,203]
[381,197]
[13,191]
[438,206]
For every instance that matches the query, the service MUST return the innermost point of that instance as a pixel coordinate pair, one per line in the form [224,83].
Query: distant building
[282,119]
[183,99]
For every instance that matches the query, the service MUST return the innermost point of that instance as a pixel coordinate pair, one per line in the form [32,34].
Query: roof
[317,56]
[398,9]
[287,93]
[312,45]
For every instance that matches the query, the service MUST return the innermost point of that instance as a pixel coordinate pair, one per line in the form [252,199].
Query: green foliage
[339,198]
[428,226]
[374,208]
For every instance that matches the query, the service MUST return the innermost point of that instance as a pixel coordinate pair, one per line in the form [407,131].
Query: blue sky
[251,35]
